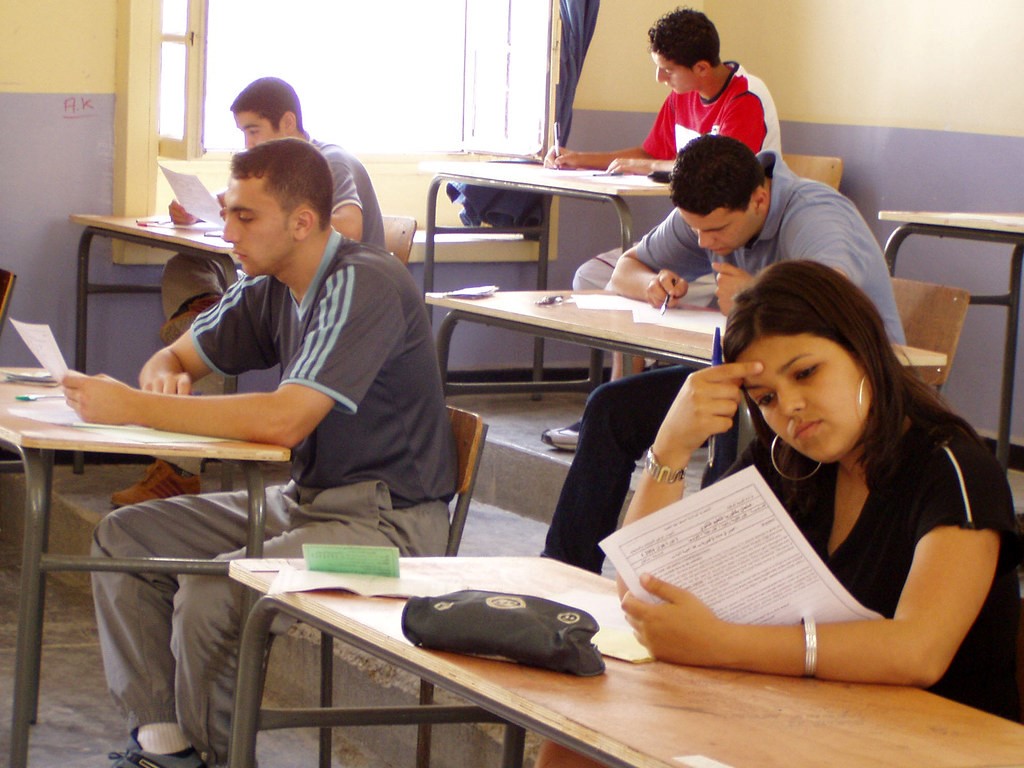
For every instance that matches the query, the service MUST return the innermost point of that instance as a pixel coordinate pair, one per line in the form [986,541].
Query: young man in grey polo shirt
[359,401]
[735,213]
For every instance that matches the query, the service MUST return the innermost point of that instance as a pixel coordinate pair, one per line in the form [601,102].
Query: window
[396,76]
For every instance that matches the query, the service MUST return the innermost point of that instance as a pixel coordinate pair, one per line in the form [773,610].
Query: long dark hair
[795,297]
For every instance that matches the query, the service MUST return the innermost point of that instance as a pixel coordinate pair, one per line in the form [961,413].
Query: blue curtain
[503,208]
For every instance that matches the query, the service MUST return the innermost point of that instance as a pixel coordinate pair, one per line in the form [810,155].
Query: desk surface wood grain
[654,714]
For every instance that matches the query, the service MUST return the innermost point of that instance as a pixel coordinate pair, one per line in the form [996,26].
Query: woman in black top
[896,493]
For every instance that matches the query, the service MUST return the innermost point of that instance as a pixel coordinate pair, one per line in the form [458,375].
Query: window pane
[507,51]
[384,76]
[175,17]
[172,90]
[388,76]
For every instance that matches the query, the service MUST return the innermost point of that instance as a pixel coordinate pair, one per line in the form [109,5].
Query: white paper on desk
[193,196]
[50,411]
[409,584]
[693,319]
[605,301]
[132,433]
[737,549]
[59,412]
[39,339]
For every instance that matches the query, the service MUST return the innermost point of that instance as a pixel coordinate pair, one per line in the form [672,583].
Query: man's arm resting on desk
[636,157]
[283,417]
[635,280]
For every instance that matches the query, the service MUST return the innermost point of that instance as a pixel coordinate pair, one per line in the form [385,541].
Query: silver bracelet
[810,647]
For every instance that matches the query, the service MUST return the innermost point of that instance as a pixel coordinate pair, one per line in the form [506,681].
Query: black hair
[715,172]
[270,98]
[294,172]
[685,36]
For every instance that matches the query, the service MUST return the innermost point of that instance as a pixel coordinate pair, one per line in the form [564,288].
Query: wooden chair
[398,234]
[828,170]
[470,434]
[932,316]
[7,280]
[1020,659]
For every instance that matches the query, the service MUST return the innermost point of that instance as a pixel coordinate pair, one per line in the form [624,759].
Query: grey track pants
[170,643]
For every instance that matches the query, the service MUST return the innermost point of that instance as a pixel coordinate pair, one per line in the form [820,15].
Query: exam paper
[683,318]
[605,301]
[39,339]
[59,412]
[193,196]
[737,549]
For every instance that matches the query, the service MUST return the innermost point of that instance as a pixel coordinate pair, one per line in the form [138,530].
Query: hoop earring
[782,474]
[860,396]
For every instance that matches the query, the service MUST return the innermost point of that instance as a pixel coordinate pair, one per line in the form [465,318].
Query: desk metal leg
[1010,300]
[512,746]
[38,483]
[249,688]
[82,321]
[257,507]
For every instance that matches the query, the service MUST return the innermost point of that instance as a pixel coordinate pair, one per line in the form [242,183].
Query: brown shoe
[183,319]
[161,482]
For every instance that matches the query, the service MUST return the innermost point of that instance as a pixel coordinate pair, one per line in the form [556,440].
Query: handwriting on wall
[77,107]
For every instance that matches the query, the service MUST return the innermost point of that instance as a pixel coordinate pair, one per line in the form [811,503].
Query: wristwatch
[660,472]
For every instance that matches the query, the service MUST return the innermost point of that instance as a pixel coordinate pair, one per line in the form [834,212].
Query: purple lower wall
[56,157]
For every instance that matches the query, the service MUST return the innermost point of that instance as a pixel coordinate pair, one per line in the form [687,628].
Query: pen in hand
[558,140]
[716,359]
[668,296]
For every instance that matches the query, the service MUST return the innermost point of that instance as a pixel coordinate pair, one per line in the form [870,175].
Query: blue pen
[716,359]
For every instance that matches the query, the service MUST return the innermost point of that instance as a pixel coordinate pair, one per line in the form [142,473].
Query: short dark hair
[804,297]
[685,36]
[270,98]
[715,172]
[294,171]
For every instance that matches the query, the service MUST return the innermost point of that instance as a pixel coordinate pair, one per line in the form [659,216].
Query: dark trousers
[619,424]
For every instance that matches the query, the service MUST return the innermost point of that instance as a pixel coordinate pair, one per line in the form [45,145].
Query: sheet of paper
[606,301]
[683,318]
[737,549]
[39,339]
[59,412]
[409,584]
[193,196]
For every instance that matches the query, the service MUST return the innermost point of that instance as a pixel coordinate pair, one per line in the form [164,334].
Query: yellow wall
[926,64]
[53,46]
[618,73]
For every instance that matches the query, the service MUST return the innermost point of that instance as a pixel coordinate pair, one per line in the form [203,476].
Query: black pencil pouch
[520,628]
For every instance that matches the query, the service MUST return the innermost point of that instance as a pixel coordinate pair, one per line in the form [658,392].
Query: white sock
[162,738]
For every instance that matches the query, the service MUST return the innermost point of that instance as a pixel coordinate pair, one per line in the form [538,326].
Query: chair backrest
[470,433]
[398,234]
[932,316]
[6,288]
[828,170]
[1020,659]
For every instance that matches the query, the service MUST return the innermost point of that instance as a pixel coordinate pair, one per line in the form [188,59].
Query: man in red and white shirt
[708,96]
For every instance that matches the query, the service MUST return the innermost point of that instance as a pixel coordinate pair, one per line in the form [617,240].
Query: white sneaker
[564,439]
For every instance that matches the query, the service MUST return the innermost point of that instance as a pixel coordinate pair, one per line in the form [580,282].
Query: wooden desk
[35,442]
[549,182]
[646,714]
[600,329]
[178,239]
[1005,228]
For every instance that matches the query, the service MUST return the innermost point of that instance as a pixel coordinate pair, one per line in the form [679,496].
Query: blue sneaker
[137,757]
